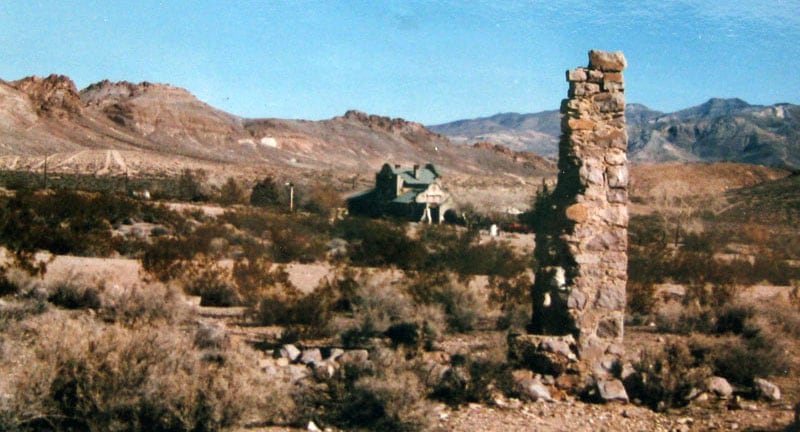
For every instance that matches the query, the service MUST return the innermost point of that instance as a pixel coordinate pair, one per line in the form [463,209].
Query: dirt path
[119,160]
[106,165]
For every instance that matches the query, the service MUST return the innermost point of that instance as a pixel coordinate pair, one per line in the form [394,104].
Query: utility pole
[291,196]
[45,171]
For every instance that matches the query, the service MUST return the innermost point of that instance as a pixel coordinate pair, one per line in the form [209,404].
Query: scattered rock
[359,356]
[612,391]
[767,390]
[311,356]
[533,390]
[335,354]
[290,352]
[719,386]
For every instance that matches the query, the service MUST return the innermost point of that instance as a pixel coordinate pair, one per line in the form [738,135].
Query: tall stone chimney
[581,243]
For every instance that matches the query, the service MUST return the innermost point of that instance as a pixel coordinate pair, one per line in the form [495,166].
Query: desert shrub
[771,267]
[382,309]
[170,257]
[513,296]
[742,359]
[190,187]
[69,222]
[292,237]
[17,281]
[81,375]
[321,199]
[641,298]
[664,378]
[231,193]
[376,243]
[377,307]
[165,258]
[492,259]
[256,276]
[471,380]
[648,264]
[144,304]
[461,305]
[307,315]
[297,238]
[266,193]
[254,221]
[212,282]
[344,288]
[685,319]
[71,294]
[386,396]
[734,318]
[458,250]
[276,301]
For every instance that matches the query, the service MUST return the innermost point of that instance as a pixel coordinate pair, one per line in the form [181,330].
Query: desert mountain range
[717,130]
[124,127]
[115,127]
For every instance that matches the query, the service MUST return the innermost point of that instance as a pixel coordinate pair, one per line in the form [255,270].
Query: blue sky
[427,61]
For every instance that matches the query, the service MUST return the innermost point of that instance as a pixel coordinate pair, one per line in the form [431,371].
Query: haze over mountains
[718,130]
[125,127]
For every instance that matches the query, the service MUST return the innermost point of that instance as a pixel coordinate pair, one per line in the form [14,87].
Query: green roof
[406,198]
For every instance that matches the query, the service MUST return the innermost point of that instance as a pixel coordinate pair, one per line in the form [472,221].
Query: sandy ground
[123,271]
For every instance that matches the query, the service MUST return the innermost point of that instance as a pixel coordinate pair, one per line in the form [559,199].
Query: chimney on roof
[416,170]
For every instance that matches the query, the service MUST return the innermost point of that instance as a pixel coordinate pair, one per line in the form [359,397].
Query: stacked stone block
[580,287]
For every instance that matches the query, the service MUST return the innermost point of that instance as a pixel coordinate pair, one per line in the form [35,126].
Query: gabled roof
[425,175]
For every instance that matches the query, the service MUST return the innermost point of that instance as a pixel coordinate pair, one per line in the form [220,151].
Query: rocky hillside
[718,130]
[122,126]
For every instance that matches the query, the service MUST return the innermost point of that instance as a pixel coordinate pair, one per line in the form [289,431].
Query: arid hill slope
[121,126]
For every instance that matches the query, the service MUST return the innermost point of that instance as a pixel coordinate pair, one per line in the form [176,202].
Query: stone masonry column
[581,241]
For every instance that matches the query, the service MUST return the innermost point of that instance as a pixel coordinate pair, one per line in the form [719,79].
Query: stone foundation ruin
[581,240]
